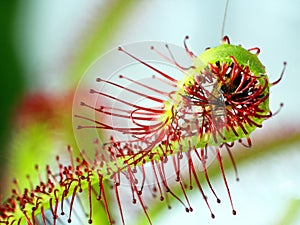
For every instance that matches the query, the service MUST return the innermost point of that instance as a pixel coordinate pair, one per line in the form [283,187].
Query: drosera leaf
[188,120]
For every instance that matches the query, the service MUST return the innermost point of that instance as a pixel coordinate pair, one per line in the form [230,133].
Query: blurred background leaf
[12,81]
[106,25]
[292,211]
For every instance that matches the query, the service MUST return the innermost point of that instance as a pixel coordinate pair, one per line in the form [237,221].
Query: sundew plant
[149,127]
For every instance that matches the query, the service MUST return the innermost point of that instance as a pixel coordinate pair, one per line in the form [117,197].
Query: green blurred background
[47,45]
